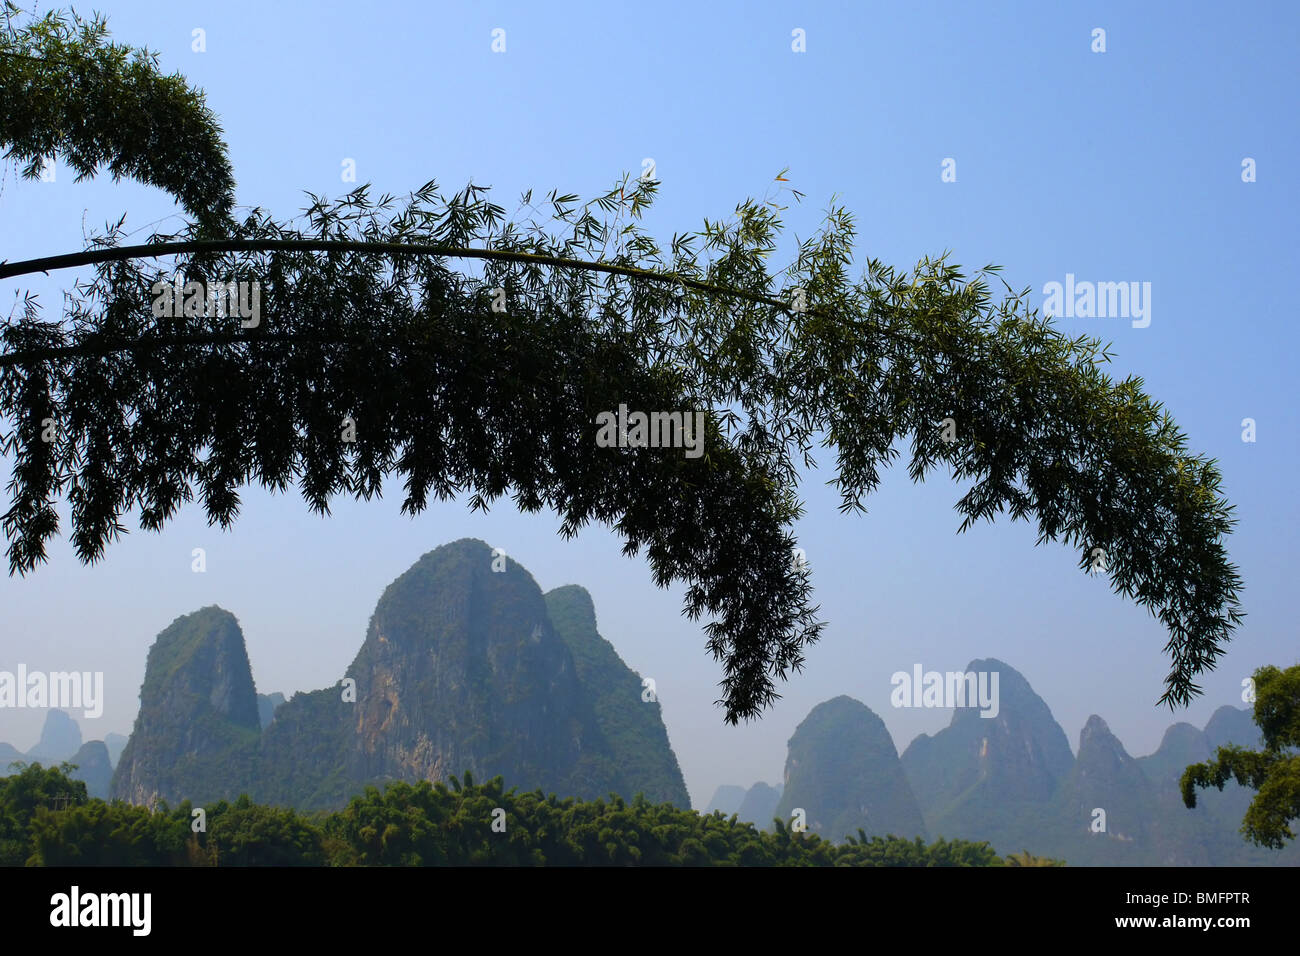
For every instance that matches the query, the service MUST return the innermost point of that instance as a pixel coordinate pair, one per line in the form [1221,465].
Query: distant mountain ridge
[843,772]
[983,775]
[466,665]
[60,739]
[60,742]
[630,722]
[1013,781]
[759,806]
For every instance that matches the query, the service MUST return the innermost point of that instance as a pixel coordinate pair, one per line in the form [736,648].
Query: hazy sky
[1117,166]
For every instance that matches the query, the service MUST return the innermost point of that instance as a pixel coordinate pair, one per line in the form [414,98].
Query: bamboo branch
[47,264]
[149,250]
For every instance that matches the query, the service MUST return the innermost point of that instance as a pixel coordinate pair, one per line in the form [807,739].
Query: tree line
[46,819]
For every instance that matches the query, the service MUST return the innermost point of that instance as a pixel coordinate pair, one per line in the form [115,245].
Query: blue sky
[1117,166]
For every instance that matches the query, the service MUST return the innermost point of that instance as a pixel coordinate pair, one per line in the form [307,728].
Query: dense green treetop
[463,824]
[1273,770]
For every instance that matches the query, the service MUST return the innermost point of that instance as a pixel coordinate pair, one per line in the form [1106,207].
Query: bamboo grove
[467,352]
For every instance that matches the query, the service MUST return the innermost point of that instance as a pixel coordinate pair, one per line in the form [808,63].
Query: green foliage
[65,90]
[430,825]
[107,834]
[456,397]
[25,794]
[1025,858]
[893,851]
[426,824]
[248,834]
[1273,771]
[362,317]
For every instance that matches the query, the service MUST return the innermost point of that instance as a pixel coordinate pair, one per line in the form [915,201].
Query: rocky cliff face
[979,777]
[633,736]
[843,771]
[1106,804]
[198,727]
[462,668]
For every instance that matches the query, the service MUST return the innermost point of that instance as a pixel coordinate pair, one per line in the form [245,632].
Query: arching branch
[66,91]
